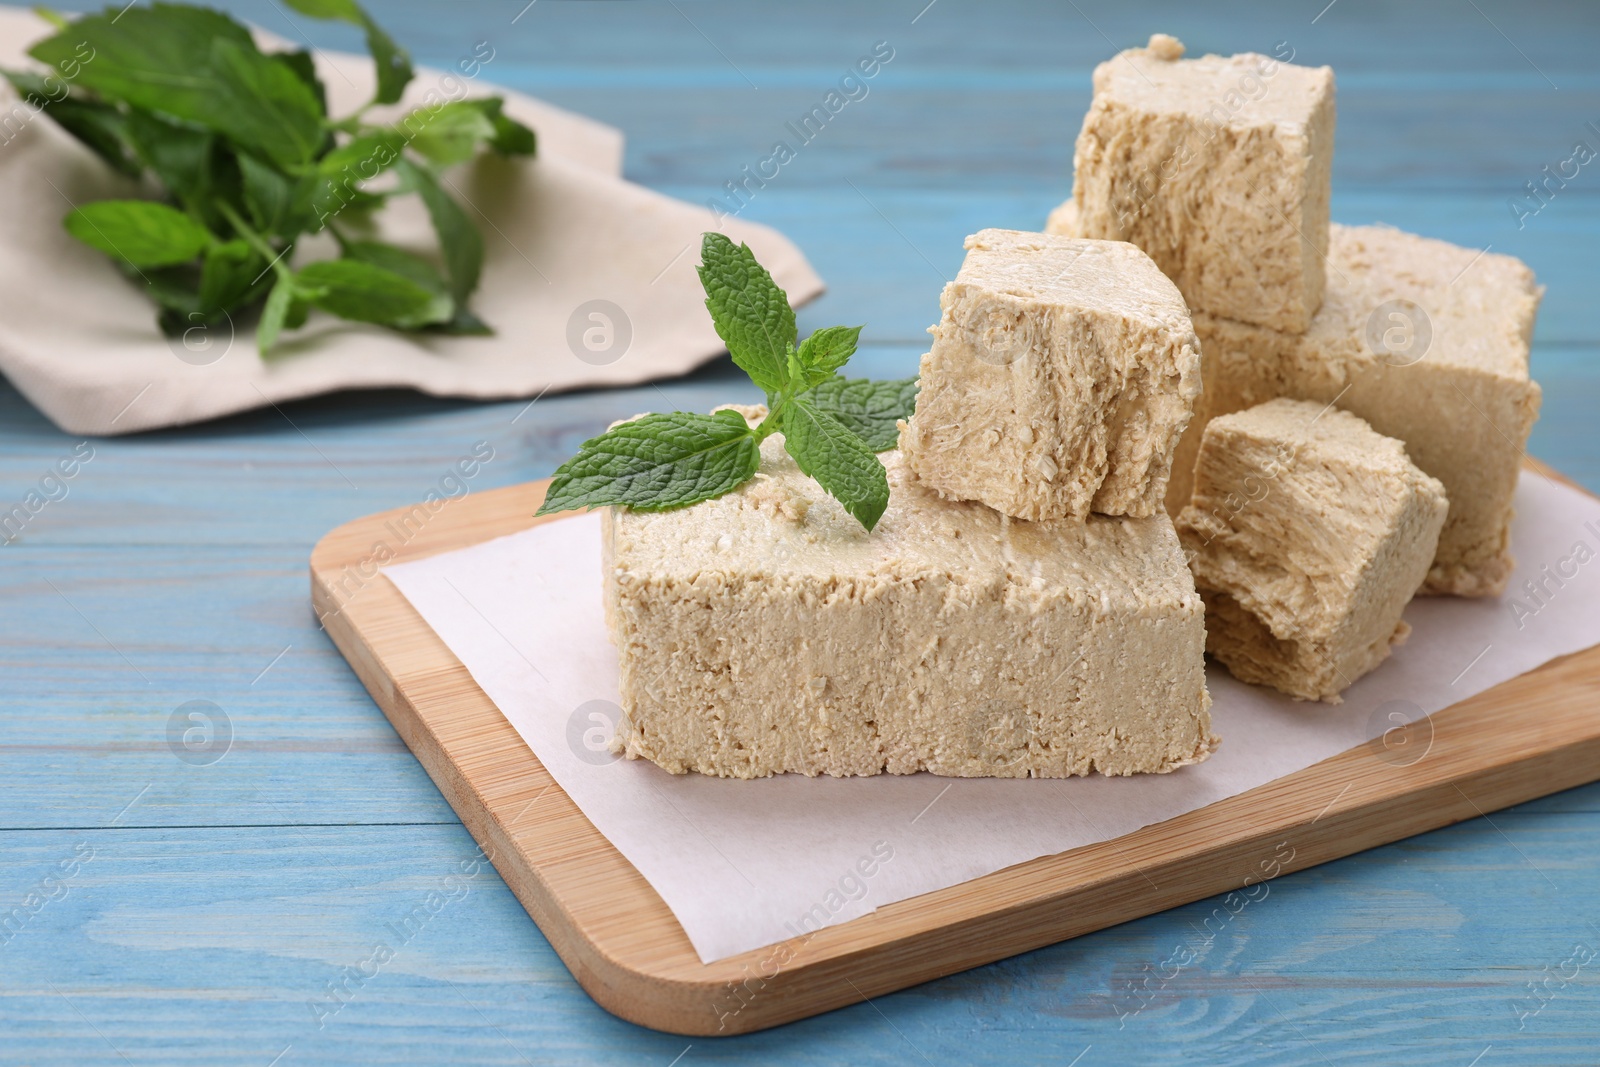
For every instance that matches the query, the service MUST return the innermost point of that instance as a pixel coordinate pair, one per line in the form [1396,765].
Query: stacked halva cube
[1219,169]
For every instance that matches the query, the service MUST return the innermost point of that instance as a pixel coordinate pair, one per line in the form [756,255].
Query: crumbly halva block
[1063,221]
[766,632]
[1429,343]
[1426,341]
[1218,167]
[1061,374]
[1308,534]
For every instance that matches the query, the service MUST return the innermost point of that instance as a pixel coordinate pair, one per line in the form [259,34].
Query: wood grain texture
[1533,735]
[225,897]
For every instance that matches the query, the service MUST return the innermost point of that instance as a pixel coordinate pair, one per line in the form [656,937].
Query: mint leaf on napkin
[261,103]
[155,58]
[393,62]
[249,162]
[450,135]
[364,292]
[833,427]
[460,241]
[139,232]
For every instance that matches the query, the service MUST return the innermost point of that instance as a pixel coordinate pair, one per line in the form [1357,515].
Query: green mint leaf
[342,171]
[181,156]
[193,65]
[392,62]
[870,408]
[174,323]
[52,16]
[174,289]
[229,274]
[102,128]
[411,267]
[464,324]
[362,292]
[197,66]
[274,314]
[278,205]
[750,313]
[459,240]
[839,460]
[449,135]
[825,351]
[511,138]
[305,68]
[657,462]
[331,10]
[139,232]
[795,369]
[33,87]
[99,126]
[264,104]
[335,200]
[299,311]
[365,157]
[155,57]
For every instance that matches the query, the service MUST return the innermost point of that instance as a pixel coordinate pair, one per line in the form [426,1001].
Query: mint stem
[255,240]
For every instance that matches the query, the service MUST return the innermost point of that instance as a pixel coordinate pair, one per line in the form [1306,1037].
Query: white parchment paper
[744,864]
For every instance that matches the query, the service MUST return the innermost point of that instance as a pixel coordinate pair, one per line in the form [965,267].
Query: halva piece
[1426,341]
[1218,167]
[1061,374]
[1308,534]
[766,632]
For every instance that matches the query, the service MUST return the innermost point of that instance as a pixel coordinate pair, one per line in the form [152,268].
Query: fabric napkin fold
[588,279]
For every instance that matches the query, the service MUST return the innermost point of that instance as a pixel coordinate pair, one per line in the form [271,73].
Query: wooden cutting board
[1534,735]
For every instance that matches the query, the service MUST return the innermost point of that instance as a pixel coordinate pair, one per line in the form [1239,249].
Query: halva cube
[1308,534]
[1061,374]
[1218,167]
[1429,343]
[767,632]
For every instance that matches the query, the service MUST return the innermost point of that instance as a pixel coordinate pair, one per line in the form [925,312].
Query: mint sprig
[832,426]
[250,162]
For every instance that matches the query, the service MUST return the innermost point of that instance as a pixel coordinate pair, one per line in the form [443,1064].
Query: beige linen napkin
[588,280]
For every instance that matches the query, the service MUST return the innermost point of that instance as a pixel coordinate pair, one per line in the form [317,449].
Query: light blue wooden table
[210,906]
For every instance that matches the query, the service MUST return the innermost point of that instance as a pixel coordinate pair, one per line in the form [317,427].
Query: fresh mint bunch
[250,161]
[832,426]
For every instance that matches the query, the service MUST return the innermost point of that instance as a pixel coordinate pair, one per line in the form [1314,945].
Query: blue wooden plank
[219,946]
[223,898]
[1002,106]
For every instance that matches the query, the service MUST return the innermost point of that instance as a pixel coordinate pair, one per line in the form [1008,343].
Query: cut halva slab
[1308,534]
[1061,374]
[766,632]
[1218,167]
